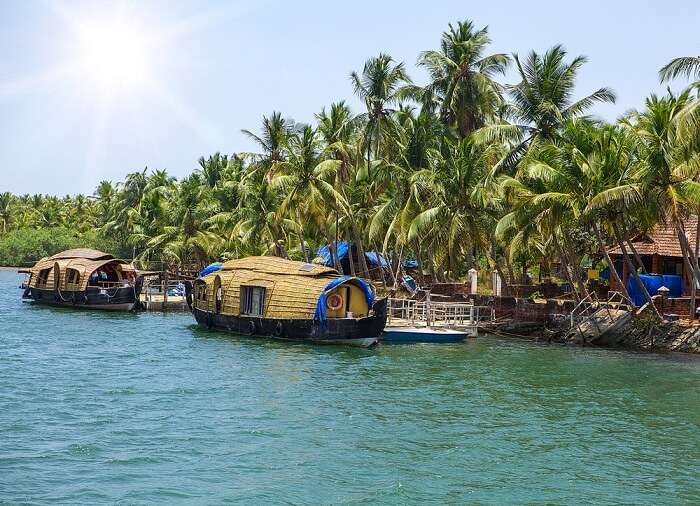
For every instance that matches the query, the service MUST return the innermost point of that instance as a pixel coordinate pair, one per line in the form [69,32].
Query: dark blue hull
[422,335]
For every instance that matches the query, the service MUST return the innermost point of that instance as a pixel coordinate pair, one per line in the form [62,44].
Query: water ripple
[148,409]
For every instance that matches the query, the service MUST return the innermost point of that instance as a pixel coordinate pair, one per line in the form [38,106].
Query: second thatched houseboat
[273,297]
[84,278]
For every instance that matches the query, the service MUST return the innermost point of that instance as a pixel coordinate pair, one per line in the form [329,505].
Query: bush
[25,246]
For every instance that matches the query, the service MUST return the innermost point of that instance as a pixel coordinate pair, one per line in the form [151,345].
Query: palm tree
[338,129]
[688,66]
[6,200]
[186,238]
[304,180]
[272,140]
[462,78]
[455,210]
[541,103]
[378,86]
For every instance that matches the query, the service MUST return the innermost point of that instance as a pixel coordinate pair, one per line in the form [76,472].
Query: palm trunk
[360,247]
[567,272]
[431,262]
[398,268]
[350,259]
[385,257]
[611,265]
[637,258]
[693,289]
[631,268]
[334,254]
[576,267]
[688,253]
[301,239]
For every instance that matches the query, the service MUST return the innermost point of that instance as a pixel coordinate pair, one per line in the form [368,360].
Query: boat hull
[362,332]
[422,335]
[114,299]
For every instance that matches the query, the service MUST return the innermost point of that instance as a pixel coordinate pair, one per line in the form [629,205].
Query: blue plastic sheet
[209,269]
[376,258]
[324,252]
[410,264]
[674,284]
[320,314]
[653,282]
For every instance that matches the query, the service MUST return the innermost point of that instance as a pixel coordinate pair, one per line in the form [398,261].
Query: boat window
[252,300]
[73,277]
[43,277]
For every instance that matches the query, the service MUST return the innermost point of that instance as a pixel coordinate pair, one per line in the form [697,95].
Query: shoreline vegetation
[463,171]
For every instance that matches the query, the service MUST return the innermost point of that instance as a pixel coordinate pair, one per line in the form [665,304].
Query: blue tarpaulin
[653,282]
[320,314]
[674,284]
[376,259]
[209,269]
[410,264]
[324,252]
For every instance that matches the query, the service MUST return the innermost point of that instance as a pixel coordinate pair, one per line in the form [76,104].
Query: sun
[114,58]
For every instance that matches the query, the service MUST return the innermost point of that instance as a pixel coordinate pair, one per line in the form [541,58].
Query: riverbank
[639,334]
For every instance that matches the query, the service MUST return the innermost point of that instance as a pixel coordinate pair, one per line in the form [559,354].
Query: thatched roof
[90,254]
[83,265]
[278,266]
[662,240]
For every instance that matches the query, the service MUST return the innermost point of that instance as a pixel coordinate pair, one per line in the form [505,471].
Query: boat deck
[409,313]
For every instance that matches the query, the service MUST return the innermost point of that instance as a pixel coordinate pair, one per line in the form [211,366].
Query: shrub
[25,246]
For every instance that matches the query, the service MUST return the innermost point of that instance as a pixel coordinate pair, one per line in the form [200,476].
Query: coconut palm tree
[462,78]
[6,201]
[378,86]
[684,66]
[541,103]
[303,178]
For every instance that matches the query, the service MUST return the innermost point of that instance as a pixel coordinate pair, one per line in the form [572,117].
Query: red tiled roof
[662,240]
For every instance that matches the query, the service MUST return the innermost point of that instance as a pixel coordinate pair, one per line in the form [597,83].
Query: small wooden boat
[398,335]
[273,297]
[83,278]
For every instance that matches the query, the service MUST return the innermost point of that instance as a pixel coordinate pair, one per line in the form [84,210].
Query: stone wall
[525,310]
[679,306]
[645,334]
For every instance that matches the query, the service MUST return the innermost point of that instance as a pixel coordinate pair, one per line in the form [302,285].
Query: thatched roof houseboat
[273,297]
[84,278]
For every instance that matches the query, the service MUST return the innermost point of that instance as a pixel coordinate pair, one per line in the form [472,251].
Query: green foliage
[25,246]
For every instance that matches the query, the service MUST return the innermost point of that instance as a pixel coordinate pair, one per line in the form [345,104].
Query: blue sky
[214,68]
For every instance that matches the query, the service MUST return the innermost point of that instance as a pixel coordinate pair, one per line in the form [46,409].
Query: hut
[274,297]
[661,254]
[84,278]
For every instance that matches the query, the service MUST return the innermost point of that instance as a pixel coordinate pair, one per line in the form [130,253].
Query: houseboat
[83,278]
[274,297]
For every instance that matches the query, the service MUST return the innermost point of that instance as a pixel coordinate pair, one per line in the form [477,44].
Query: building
[660,252]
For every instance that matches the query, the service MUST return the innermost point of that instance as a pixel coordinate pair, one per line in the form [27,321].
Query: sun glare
[114,58]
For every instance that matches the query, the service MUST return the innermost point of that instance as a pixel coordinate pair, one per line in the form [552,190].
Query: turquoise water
[147,409]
